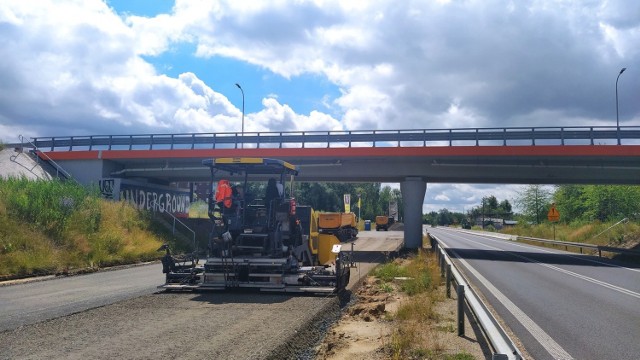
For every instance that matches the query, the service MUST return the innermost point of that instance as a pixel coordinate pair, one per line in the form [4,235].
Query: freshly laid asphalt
[120,314]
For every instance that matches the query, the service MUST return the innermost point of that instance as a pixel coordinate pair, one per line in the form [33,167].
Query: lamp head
[621,71]
[238,85]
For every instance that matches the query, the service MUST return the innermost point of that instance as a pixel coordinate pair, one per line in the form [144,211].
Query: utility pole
[617,118]
[242,133]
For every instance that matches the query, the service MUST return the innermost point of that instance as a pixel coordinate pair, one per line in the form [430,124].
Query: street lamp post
[242,91]
[617,117]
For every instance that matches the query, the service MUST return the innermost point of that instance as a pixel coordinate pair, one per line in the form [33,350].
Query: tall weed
[51,226]
[414,335]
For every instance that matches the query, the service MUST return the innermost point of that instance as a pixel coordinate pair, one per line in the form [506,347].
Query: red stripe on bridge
[444,151]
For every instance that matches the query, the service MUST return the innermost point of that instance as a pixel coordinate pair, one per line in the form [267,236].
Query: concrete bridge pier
[413,190]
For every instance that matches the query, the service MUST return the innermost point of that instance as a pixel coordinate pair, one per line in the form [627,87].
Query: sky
[92,67]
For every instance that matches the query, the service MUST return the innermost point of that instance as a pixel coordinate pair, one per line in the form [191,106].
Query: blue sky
[303,93]
[148,8]
[85,67]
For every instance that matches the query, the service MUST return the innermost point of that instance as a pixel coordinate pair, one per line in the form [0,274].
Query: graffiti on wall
[106,188]
[147,196]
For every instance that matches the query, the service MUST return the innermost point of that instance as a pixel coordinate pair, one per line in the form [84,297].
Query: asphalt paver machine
[264,241]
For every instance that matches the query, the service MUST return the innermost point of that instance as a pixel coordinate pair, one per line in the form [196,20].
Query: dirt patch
[367,326]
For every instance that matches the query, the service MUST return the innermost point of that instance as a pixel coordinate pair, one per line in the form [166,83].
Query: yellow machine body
[336,220]
[325,244]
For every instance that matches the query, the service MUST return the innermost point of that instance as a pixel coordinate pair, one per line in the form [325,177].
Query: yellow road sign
[553,215]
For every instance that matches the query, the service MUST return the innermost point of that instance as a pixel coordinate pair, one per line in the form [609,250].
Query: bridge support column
[413,190]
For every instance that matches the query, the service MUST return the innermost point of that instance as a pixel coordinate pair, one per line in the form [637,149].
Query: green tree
[430,218]
[505,210]
[570,202]
[608,203]
[534,201]
[444,217]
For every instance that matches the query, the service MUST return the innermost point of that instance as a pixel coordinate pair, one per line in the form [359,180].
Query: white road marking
[569,254]
[568,272]
[552,347]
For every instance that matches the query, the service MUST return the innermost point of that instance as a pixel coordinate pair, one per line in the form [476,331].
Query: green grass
[50,227]
[591,233]
[414,333]
[388,271]
[460,356]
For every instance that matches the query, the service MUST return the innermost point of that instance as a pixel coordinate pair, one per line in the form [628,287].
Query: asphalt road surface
[119,314]
[37,301]
[560,305]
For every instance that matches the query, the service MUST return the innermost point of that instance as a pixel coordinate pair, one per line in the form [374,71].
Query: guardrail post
[448,280]
[460,292]
[442,265]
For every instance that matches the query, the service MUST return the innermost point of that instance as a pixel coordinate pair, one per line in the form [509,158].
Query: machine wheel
[343,274]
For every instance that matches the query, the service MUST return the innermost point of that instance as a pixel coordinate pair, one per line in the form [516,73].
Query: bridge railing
[576,135]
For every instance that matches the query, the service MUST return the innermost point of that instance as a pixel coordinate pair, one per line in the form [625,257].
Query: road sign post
[554,216]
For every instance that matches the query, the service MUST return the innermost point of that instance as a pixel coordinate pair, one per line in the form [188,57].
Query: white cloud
[278,117]
[72,67]
[463,197]
[400,65]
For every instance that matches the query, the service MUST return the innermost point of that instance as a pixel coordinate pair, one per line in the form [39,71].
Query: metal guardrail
[599,248]
[575,135]
[503,346]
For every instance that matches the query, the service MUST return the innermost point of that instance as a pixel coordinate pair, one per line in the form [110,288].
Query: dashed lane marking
[547,342]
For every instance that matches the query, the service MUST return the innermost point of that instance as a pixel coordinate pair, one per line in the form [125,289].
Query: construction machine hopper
[341,225]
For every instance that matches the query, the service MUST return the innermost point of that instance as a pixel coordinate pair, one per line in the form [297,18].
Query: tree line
[581,203]
[329,197]
[575,203]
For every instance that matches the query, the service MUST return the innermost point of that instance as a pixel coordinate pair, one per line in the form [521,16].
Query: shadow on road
[249,296]
[525,257]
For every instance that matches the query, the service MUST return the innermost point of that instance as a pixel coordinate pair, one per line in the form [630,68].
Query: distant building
[510,223]
[497,223]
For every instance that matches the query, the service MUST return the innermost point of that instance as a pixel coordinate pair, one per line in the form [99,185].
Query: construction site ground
[365,330]
[196,325]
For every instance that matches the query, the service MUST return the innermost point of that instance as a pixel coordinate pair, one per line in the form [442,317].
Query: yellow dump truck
[382,223]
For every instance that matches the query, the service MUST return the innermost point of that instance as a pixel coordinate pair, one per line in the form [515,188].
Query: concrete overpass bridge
[549,155]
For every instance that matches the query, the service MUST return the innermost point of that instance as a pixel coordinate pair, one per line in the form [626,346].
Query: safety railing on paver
[503,346]
[508,136]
